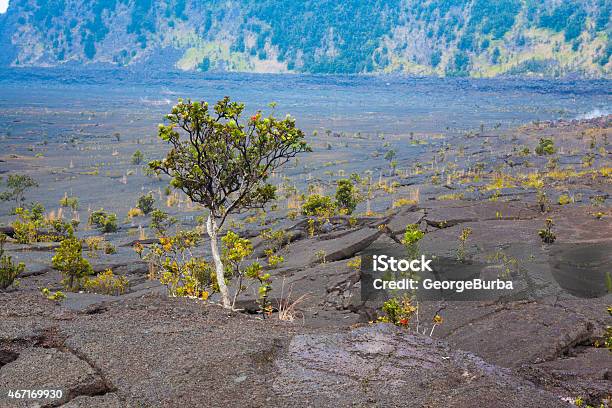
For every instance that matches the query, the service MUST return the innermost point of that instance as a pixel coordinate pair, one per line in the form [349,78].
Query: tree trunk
[211,228]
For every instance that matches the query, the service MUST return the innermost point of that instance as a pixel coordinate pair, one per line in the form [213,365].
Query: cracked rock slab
[307,252]
[382,365]
[518,334]
[48,369]
[446,214]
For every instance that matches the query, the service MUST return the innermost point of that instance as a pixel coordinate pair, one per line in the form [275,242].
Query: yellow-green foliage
[500,181]
[564,199]
[107,222]
[27,223]
[107,283]
[172,262]
[275,260]
[412,234]
[235,250]
[134,212]
[451,196]
[55,296]
[318,205]
[346,196]
[9,270]
[399,312]
[69,261]
[72,202]
[545,147]
[533,180]
[355,263]
[401,202]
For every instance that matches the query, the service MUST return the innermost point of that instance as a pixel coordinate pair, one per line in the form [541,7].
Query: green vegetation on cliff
[433,37]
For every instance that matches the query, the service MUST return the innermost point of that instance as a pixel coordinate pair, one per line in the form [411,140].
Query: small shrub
[346,196]
[320,256]
[161,221]
[9,270]
[564,199]
[171,261]
[109,248]
[399,312]
[463,237]
[412,235]
[545,147]
[546,234]
[318,205]
[107,283]
[275,260]
[107,222]
[69,261]
[54,296]
[25,226]
[72,202]
[146,203]
[354,264]
[137,157]
[93,245]
[543,201]
[134,212]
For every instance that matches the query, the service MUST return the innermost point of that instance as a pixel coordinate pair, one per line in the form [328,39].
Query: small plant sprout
[54,296]
[412,236]
[287,309]
[543,201]
[437,319]
[546,234]
[463,237]
[320,256]
[137,157]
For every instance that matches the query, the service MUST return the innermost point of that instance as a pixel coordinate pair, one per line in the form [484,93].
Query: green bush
[137,157]
[161,221]
[398,311]
[107,222]
[412,234]
[318,205]
[72,202]
[545,147]
[9,270]
[346,196]
[146,203]
[546,234]
[69,261]
[107,283]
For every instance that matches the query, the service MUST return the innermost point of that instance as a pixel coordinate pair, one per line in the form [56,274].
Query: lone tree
[223,162]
